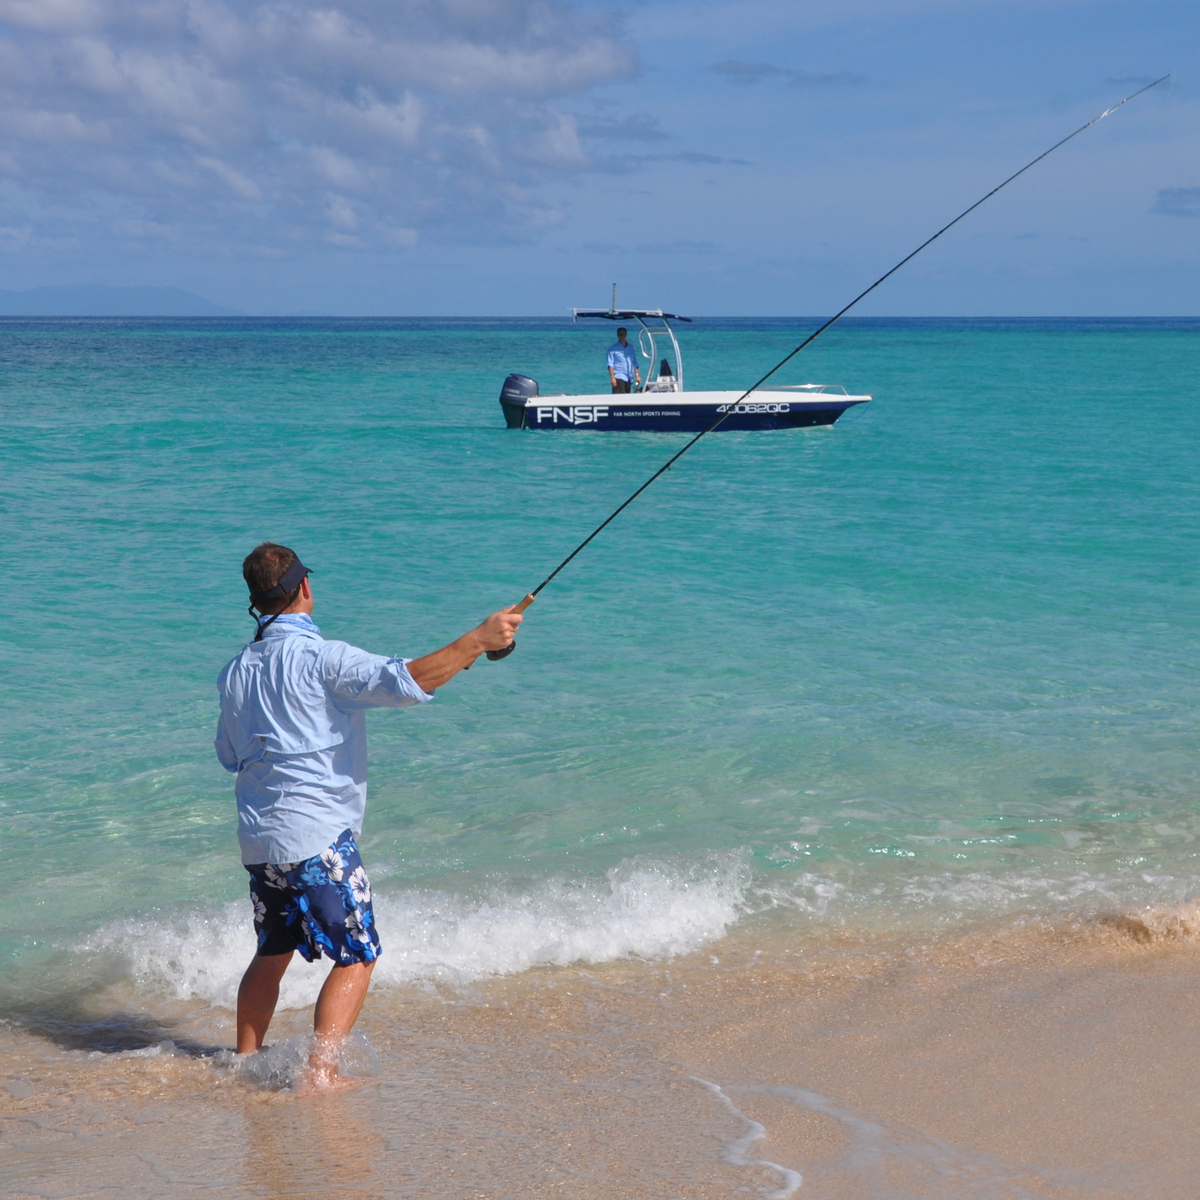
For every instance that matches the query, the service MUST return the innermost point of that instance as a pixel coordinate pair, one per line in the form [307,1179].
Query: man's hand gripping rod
[494,655]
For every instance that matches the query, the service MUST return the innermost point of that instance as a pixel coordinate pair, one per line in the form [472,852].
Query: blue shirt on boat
[622,361]
[293,726]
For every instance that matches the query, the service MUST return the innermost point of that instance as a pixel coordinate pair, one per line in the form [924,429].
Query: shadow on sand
[65,1023]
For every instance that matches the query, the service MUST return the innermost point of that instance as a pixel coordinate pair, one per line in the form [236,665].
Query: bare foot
[322,1079]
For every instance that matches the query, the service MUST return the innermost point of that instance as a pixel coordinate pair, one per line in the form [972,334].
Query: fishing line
[812,337]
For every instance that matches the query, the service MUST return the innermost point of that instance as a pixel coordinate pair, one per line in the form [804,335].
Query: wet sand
[1028,1060]
[1031,1066]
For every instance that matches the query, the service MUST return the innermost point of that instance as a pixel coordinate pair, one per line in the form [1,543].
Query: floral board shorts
[319,906]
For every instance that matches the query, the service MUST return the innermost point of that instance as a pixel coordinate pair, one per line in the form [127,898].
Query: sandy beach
[1024,1060]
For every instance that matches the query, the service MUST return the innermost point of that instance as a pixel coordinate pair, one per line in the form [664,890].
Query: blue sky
[519,156]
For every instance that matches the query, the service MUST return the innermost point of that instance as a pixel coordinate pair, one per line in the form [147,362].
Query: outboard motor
[516,390]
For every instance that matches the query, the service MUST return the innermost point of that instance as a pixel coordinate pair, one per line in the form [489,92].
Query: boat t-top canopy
[660,324]
[628,314]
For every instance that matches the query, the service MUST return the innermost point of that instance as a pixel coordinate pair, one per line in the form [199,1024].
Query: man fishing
[293,728]
[622,364]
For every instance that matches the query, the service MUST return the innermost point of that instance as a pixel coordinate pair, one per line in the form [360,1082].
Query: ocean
[836,699]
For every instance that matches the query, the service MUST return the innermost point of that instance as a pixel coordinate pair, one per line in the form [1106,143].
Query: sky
[518,157]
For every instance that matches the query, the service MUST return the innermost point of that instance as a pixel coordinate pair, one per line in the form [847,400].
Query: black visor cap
[293,577]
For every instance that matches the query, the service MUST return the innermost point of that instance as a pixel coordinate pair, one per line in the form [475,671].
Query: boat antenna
[812,337]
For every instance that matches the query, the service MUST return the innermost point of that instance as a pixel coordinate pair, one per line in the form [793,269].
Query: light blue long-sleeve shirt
[623,361]
[293,726]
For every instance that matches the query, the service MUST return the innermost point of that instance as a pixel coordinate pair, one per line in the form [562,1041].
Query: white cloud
[159,230]
[341,214]
[52,16]
[51,127]
[367,118]
[13,238]
[398,237]
[238,184]
[557,145]
[337,168]
[421,115]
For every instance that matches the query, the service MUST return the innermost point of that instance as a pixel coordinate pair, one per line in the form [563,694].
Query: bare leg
[257,996]
[338,1006]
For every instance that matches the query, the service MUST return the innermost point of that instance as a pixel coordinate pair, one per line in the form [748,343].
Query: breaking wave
[642,908]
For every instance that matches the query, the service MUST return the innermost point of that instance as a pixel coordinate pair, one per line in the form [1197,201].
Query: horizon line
[316,316]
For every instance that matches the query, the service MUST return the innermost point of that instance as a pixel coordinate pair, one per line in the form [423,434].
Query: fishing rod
[812,337]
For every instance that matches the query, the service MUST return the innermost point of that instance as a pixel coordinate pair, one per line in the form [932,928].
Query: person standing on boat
[622,364]
[293,728]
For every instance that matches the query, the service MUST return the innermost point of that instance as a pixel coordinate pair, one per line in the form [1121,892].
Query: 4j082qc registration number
[769,407]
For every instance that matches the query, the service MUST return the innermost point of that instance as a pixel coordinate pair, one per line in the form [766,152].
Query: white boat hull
[685,412]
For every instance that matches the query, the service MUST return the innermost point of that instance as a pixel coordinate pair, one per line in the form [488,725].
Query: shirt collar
[287,623]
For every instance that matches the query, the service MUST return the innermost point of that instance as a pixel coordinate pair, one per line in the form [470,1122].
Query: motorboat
[660,403]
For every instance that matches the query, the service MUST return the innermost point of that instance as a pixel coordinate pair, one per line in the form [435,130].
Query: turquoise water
[934,664]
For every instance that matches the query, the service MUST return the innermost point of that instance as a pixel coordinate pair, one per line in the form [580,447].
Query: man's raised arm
[495,633]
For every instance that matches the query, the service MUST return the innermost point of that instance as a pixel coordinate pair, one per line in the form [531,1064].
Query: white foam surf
[284,1065]
[642,908]
[926,900]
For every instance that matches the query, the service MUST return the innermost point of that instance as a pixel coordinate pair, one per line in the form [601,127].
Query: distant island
[100,300]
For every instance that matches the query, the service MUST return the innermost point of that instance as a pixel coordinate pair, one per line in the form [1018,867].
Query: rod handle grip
[497,655]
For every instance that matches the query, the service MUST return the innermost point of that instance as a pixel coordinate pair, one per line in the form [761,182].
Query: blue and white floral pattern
[358,925]
[276,876]
[333,863]
[319,906]
[360,887]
